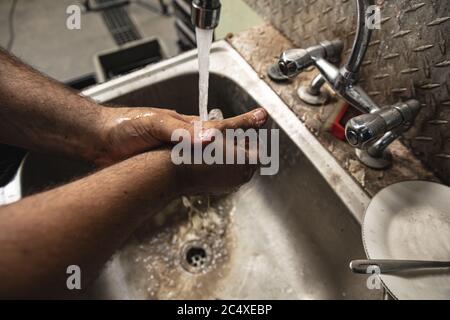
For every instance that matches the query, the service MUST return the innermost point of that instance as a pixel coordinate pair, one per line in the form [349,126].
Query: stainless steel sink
[290,236]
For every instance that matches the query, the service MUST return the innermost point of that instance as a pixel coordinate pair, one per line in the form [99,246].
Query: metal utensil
[393,266]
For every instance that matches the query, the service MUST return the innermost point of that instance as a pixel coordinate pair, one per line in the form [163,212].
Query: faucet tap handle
[294,61]
[362,130]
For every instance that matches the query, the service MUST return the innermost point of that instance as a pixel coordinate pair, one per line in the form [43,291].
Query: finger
[165,129]
[254,119]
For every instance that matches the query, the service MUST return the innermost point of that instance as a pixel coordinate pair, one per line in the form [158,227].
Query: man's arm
[40,114]
[81,223]
[85,222]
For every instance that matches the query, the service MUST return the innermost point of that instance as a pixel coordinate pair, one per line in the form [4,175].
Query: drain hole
[195,257]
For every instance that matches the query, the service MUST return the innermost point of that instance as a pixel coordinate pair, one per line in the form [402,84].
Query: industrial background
[36,30]
[408,58]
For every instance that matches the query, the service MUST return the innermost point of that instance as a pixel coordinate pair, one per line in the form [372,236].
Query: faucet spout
[205,14]
[362,40]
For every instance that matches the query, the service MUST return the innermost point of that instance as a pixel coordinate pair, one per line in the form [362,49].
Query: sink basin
[288,236]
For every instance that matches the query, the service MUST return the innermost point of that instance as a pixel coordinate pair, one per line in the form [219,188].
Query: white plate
[411,221]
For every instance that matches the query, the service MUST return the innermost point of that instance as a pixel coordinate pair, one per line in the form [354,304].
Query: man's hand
[41,115]
[195,179]
[129,131]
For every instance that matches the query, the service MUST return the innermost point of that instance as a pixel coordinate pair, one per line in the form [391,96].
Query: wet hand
[130,131]
[216,178]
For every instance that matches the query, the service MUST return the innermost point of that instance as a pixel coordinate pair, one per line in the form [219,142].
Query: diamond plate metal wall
[408,58]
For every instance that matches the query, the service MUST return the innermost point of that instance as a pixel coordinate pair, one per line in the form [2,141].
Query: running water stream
[204,42]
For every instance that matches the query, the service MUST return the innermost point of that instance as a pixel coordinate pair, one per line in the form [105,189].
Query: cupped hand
[217,178]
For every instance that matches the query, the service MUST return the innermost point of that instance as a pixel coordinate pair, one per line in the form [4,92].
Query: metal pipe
[316,84]
[362,40]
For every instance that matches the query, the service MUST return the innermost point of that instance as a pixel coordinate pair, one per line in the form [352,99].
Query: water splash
[204,42]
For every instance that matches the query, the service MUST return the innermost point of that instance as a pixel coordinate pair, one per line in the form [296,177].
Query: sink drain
[195,257]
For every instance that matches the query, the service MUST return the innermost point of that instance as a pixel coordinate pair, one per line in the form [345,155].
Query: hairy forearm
[40,114]
[81,223]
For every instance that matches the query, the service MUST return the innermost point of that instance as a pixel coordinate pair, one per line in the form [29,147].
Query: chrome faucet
[205,14]
[370,133]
